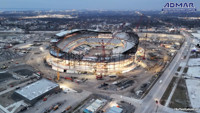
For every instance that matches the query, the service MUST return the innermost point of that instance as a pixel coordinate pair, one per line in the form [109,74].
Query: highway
[148,104]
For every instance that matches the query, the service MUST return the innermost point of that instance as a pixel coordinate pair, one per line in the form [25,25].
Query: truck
[69,78]
[55,107]
[67,108]
[99,77]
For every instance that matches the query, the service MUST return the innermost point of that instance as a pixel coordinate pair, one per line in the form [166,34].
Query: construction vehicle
[55,107]
[69,78]
[69,107]
[99,77]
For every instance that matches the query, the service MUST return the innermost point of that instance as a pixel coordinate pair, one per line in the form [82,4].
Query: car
[55,107]
[63,111]
[69,107]
[23,109]
[17,88]
[4,67]
[160,81]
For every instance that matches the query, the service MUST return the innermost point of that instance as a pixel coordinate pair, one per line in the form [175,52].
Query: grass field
[168,91]
[180,97]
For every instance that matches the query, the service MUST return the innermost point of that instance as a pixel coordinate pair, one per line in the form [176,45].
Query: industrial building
[95,106]
[35,91]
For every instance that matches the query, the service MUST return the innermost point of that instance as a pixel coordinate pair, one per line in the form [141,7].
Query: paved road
[13,88]
[187,53]
[133,101]
[148,104]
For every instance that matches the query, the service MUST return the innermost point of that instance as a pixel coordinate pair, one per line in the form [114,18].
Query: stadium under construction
[95,52]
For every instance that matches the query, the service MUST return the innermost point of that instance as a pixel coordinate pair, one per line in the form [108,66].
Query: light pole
[157,102]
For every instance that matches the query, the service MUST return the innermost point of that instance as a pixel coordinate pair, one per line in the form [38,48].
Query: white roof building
[36,89]
[96,105]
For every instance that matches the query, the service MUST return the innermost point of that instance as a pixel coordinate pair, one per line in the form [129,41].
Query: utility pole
[156,105]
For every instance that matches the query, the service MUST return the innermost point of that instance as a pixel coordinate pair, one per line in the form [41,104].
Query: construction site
[107,70]
[106,63]
[99,53]
[85,70]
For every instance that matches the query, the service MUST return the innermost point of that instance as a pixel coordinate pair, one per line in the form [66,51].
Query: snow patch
[194,93]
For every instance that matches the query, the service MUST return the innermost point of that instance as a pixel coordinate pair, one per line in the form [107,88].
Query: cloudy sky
[90,4]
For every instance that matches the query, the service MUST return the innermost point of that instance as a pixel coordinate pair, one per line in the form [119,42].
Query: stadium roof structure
[36,89]
[78,42]
[66,32]
[63,33]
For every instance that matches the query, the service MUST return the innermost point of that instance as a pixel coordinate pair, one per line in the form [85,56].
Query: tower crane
[103,45]
[140,20]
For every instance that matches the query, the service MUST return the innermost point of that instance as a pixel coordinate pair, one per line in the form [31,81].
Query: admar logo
[179,7]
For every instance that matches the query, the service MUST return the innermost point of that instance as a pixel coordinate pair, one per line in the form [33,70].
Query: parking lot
[117,85]
[5,76]
[65,100]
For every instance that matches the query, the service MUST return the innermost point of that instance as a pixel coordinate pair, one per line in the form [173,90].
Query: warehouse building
[35,91]
[95,106]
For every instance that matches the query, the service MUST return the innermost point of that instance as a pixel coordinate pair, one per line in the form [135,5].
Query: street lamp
[157,102]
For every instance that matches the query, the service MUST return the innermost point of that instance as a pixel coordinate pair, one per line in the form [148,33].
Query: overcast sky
[90,4]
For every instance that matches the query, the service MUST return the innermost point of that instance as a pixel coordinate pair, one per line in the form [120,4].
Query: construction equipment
[103,45]
[69,78]
[146,36]
[58,74]
[69,107]
[58,52]
[99,77]
[55,107]
[140,20]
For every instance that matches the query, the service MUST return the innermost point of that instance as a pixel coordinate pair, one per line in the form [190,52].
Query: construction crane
[103,45]
[113,36]
[58,52]
[58,74]
[146,36]
[140,20]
